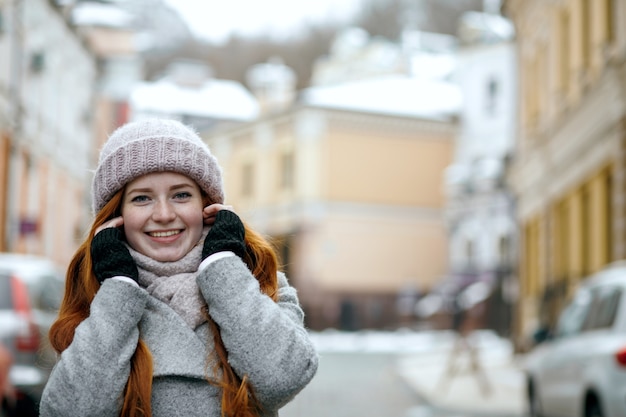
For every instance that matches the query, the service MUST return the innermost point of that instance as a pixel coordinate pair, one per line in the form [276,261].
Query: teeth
[165,234]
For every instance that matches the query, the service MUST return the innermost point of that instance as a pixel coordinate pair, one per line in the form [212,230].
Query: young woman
[173,307]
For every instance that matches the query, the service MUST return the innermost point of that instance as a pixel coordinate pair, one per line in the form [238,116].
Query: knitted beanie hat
[154,145]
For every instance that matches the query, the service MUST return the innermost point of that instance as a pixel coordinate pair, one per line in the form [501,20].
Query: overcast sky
[215,20]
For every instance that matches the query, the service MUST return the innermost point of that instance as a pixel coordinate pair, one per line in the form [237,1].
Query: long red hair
[238,399]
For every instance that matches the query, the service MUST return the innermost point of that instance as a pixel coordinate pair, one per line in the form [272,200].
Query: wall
[51,75]
[353,200]
[569,172]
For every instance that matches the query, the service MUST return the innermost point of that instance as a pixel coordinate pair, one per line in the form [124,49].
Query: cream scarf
[174,283]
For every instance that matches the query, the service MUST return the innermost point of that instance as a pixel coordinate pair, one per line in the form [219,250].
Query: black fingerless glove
[110,257]
[226,234]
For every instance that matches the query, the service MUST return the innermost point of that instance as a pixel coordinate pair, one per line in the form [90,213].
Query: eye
[140,199]
[183,195]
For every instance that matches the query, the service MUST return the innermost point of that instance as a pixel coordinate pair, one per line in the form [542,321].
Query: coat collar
[176,349]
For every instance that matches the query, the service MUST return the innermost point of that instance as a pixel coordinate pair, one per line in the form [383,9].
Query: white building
[480,207]
[273,84]
[355,55]
[47,78]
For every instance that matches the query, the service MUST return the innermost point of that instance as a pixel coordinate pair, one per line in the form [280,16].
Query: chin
[168,258]
[165,256]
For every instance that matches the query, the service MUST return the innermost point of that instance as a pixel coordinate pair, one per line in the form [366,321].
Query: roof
[613,273]
[98,14]
[487,27]
[219,99]
[392,95]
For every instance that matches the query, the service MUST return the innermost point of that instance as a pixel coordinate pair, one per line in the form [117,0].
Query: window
[573,317]
[598,220]
[286,171]
[37,62]
[469,253]
[534,81]
[608,12]
[607,224]
[247,184]
[585,232]
[531,257]
[603,308]
[283,244]
[504,249]
[561,239]
[585,32]
[564,48]
[493,90]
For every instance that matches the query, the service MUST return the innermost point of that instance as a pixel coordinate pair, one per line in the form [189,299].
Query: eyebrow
[148,189]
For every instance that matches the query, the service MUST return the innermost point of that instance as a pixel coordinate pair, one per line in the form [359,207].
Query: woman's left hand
[227,231]
[209,212]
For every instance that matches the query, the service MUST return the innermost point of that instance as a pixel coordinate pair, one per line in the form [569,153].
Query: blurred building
[568,172]
[188,92]
[121,35]
[114,38]
[354,55]
[273,84]
[66,68]
[47,78]
[480,215]
[348,183]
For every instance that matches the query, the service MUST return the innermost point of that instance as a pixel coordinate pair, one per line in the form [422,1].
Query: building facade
[46,114]
[352,200]
[66,72]
[480,207]
[568,171]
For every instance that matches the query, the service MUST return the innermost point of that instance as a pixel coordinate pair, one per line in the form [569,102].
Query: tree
[386,18]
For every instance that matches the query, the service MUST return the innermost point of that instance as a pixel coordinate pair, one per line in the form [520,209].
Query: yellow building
[568,172]
[353,200]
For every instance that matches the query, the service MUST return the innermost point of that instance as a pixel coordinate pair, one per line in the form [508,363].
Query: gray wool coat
[266,340]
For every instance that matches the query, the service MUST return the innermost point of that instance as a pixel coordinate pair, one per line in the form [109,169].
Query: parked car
[31,289]
[580,369]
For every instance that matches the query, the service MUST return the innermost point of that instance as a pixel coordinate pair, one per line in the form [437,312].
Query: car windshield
[603,307]
[574,315]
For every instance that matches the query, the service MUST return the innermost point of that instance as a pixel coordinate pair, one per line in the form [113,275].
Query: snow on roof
[98,14]
[433,65]
[490,24]
[218,99]
[273,72]
[392,95]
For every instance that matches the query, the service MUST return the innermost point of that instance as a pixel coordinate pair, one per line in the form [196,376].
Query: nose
[163,212]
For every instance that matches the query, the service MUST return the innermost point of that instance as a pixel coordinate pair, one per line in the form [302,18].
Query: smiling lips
[164,234]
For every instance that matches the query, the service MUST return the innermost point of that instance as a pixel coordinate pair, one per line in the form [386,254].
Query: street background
[401,374]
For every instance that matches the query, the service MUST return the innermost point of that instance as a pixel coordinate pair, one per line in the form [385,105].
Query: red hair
[238,399]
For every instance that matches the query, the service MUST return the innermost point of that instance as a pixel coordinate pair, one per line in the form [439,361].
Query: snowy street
[401,374]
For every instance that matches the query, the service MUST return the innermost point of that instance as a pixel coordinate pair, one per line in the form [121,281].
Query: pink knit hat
[154,145]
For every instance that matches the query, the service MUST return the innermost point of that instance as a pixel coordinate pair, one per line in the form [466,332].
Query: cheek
[196,219]
[132,221]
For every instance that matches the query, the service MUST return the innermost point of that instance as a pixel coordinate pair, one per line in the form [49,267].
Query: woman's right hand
[109,255]
[227,231]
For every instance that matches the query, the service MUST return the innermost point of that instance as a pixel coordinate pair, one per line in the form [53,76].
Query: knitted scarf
[174,283]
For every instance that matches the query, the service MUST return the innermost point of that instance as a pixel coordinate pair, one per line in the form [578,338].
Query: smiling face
[162,214]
